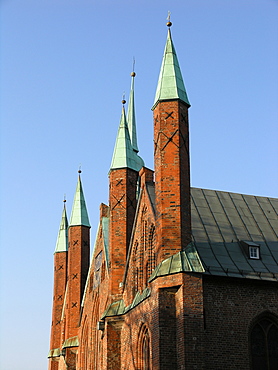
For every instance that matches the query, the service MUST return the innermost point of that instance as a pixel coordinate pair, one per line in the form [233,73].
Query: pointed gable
[100,254]
[141,260]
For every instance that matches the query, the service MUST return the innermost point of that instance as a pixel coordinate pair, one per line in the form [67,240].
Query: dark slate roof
[220,220]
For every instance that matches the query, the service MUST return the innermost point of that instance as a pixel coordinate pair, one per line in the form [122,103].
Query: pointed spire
[131,115]
[62,239]
[79,214]
[124,156]
[170,82]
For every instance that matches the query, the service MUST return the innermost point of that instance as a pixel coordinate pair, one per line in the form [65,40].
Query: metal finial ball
[123,101]
[64,200]
[79,171]
[169,24]
[133,74]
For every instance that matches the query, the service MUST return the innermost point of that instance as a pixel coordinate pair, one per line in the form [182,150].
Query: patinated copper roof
[222,220]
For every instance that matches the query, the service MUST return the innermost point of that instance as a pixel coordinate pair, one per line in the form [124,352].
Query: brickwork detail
[231,306]
[172,175]
[78,266]
[122,201]
[112,316]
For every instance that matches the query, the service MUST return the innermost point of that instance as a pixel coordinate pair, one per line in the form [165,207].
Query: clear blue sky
[64,67]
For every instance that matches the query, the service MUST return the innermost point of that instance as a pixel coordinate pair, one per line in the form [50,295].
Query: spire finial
[79,169]
[123,101]
[169,23]
[64,199]
[79,214]
[133,74]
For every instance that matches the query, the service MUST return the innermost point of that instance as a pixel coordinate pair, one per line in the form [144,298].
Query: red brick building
[180,277]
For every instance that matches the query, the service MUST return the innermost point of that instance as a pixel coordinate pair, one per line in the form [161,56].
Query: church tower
[123,182]
[78,260]
[60,280]
[171,157]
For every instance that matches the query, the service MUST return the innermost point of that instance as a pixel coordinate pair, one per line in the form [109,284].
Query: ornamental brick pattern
[172,177]
[122,205]
[78,265]
[60,273]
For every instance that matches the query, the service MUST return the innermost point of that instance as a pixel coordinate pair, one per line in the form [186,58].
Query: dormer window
[254,253]
[251,249]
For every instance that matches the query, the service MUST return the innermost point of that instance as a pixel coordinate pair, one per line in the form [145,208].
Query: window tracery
[264,343]
[144,355]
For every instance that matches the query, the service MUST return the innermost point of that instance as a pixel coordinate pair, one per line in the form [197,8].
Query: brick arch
[263,342]
[143,350]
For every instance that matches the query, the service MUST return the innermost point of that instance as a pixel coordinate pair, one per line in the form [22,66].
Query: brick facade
[231,306]
[169,285]
[172,173]
[60,273]
[122,206]
[78,265]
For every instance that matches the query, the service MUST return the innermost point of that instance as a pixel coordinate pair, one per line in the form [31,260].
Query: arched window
[151,257]
[135,268]
[144,362]
[264,343]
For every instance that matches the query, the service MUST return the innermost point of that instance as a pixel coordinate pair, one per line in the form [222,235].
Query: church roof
[79,214]
[62,239]
[124,156]
[170,82]
[225,224]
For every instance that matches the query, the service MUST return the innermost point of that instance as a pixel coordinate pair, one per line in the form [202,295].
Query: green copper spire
[124,156]
[131,116]
[170,82]
[79,215]
[62,239]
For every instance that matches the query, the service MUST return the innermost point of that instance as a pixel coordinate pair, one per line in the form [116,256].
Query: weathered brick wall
[172,177]
[53,364]
[141,255]
[91,351]
[181,309]
[230,306]
[122,204]
[146,313]
[62,364]
[78,265]
[168,329]
[173,315]
[112,342]
[60,279]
